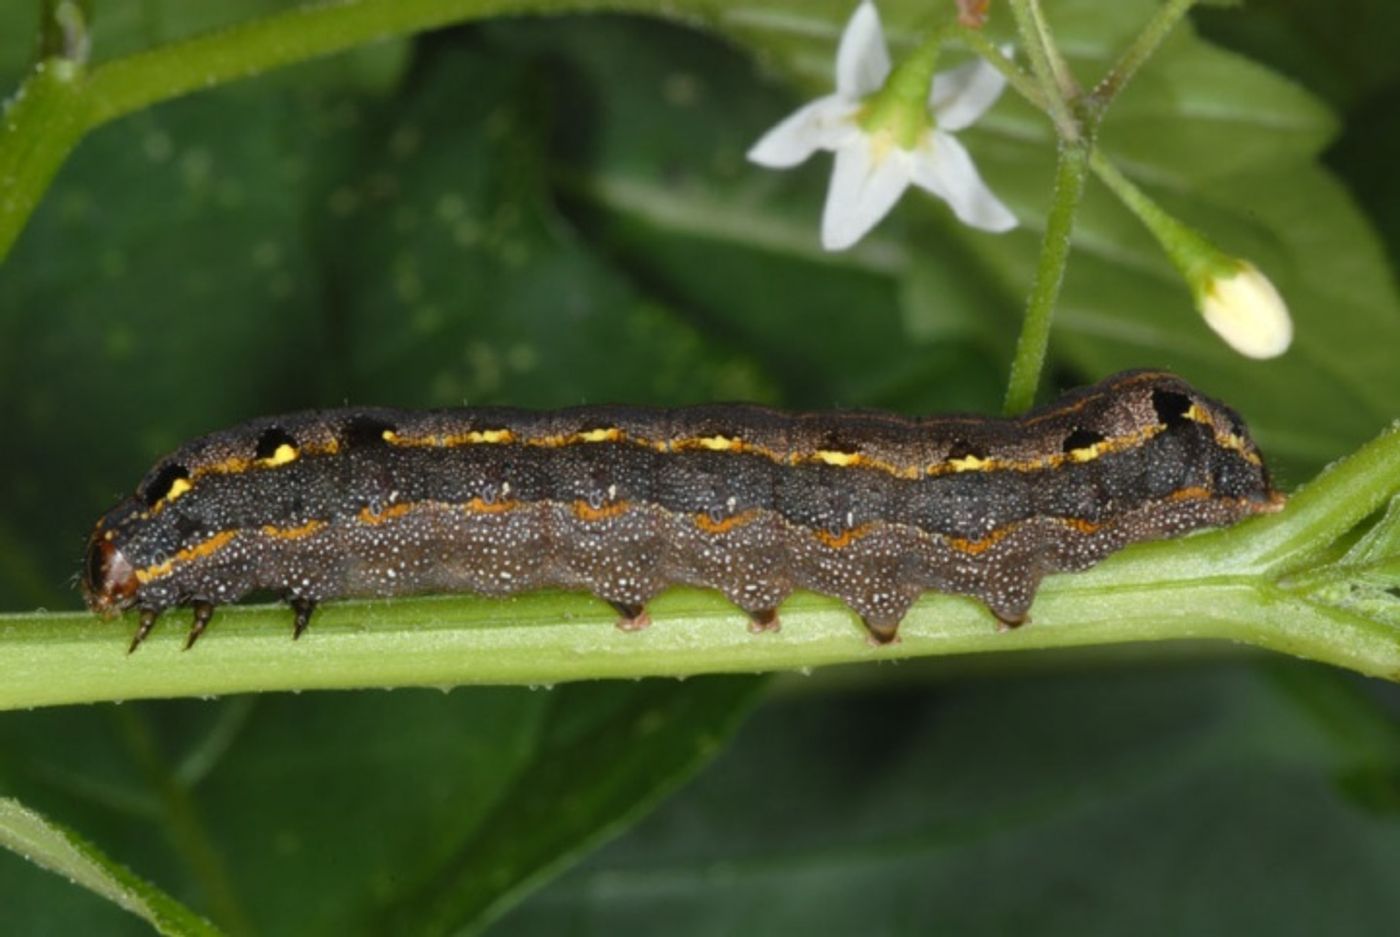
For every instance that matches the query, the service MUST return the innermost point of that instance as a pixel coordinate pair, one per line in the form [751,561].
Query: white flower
[872,167]
[1246,311]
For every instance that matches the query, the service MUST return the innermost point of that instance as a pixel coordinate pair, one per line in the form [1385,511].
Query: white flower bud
[1244,309]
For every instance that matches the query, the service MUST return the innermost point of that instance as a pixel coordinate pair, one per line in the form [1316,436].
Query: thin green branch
[1187,249]
[297,35]
[1038,53]
[1057,89]
[1049,274]
[1127,191]
[1024,84]
[1229,584]
[39,127]
[1143,47]
[1059,68]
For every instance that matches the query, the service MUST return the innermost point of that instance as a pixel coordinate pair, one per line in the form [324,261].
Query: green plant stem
[1038,52]
[1230,584]
[1187,249]
[1049,274]
[40,126]
[297,35]
[1024,84]
[1143,47]
[1059,68]
[1057,89]
[1054,92]
[1137,201]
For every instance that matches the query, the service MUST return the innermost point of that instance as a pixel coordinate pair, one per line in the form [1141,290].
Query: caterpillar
[869,507]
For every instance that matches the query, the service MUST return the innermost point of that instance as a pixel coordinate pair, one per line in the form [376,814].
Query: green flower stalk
[1234,297]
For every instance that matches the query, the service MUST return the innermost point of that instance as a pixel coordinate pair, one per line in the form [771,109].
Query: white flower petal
[823,124]
[864,187]
[960,96]
[942,166]
[871,172]
[862,61]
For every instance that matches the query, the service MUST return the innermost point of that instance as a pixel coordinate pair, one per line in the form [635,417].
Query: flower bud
[1245,309]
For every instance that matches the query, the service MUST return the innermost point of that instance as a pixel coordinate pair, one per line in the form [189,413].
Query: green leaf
[19,25]
[1150,800]
[318,813]
[281,813]
[663,185]
[460,279]
[1366,580]
[1343,53]
[47,844]
[607,758]
[1364,738]
[1381,542]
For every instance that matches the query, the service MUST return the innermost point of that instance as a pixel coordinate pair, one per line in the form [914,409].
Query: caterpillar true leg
[203,611]
[148,621]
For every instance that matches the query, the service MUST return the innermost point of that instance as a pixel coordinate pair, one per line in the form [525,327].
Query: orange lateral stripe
[1192,493]
[366,516]
[975,547]
[205,548]
[711,526]
[293,533]
[587,512]
[843,539]
[478,506]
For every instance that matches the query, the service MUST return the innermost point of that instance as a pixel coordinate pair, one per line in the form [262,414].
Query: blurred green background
[555,211]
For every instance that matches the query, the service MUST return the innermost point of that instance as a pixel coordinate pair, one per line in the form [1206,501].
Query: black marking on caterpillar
[869,507]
